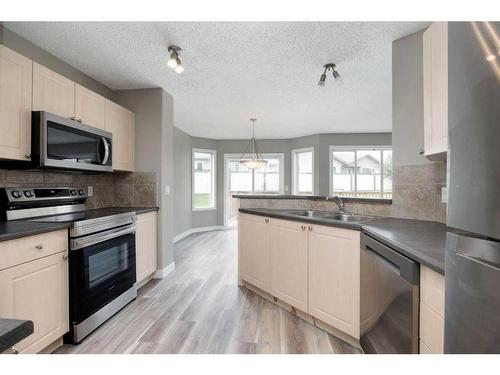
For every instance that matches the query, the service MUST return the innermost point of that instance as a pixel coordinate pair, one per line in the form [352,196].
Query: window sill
[204,209]
[311,197]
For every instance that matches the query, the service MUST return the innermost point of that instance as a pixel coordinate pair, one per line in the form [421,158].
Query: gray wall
[182,159]
[153,110]
[17,43]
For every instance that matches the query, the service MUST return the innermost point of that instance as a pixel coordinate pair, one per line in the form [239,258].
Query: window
[361,172]
[204,179]
[303,171]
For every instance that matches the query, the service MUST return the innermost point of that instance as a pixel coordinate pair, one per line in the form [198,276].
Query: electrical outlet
[444,195]
[167,189]
[90,191]
[286,187]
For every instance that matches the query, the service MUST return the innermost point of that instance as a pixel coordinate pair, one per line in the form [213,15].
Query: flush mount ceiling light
[256,161]
[174,61]
[328,67]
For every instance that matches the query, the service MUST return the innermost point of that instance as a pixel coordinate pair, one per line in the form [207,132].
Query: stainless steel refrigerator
[472,261]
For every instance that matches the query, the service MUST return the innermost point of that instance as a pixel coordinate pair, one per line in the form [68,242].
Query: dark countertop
[12,331]
[138,210]
[309,197]
[16,229]
[283,214]
[422,241]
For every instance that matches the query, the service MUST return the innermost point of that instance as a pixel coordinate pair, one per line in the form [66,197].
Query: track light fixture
[328,67]
[174,61]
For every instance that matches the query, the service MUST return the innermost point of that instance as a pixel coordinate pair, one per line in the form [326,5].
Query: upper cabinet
[435,72]
[90,108]
[52,92]
[121,123]
[15,105]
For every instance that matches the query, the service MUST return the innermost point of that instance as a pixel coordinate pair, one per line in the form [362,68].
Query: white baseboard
[197,230]
[160,274]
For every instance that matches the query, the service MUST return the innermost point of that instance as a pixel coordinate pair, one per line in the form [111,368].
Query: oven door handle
[78,243]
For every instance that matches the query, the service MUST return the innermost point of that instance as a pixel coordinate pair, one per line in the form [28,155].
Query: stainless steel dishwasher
[389,299]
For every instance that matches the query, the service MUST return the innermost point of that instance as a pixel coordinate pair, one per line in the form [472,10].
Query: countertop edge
[15,331]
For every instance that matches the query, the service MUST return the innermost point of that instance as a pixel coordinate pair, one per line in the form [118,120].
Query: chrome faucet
[337,200]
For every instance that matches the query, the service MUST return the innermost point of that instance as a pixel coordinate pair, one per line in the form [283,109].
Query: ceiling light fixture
[256,161]
[328,67]
[174,61]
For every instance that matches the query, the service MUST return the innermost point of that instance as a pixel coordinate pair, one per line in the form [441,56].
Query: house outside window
[203,180]
[361,172]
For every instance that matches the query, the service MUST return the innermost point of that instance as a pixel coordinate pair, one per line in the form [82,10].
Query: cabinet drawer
[431,329]
[432,290]
[26,249]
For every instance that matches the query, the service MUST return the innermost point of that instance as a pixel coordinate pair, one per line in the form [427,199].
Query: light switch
[286,187]
[90,191]
[167,189]
[444,195]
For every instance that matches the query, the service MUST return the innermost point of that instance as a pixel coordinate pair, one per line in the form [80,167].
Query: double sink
[326,215]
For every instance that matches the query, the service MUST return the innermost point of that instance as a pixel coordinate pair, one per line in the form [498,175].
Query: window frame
[354,149]
[214,178]
[295,179]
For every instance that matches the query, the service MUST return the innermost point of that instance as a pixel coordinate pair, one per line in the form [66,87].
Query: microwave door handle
[104,142]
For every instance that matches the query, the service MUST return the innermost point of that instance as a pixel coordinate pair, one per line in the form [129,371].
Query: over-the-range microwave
[58,142]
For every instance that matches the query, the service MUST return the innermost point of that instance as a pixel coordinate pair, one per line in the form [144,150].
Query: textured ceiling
[235,70]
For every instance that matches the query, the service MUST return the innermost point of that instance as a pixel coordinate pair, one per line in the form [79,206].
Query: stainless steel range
[102,272]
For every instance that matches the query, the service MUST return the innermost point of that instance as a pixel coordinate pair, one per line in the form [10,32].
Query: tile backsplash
[126,189]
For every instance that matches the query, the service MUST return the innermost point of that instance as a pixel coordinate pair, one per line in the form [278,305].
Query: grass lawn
[202,200]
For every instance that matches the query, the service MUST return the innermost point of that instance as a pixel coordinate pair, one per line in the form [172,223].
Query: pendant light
[256,161]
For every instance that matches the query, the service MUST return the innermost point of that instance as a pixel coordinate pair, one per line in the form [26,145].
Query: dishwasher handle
[407,268]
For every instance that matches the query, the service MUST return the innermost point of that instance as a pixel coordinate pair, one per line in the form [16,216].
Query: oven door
[99,273]
[58,142]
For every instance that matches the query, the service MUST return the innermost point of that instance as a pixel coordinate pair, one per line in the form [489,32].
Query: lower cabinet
[37,291]
[253,256]
[146,245]
[334,279]
[313,268]
[288,252]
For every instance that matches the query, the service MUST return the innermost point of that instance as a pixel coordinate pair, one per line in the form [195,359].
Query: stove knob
[28,193]
[81,192]
[16,194]
[73,192]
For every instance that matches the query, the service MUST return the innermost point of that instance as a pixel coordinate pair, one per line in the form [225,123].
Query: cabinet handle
[65,257]
[79,120]
[267,220]
[303,227]
[27,156]
[14,350]
[310,227]
[72,118]
[39,247]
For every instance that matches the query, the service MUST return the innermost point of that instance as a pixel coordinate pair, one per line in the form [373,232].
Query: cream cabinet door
[121,123]
[52,92]
[37,291]
[15,105]
[334,277]
[254,266]
[435,74]
[90,108]
[288,255]
[145,245]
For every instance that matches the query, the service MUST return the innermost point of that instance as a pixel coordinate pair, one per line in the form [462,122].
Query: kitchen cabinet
[37,290]
[145,245]
[313,268]
[121,123]
[435,86]
[288,248]
[253,256]
[90,108]
[431,311]
[15,105]
[334,277]
[52,92]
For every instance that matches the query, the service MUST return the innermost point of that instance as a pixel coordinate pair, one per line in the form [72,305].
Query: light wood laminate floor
[199,308]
